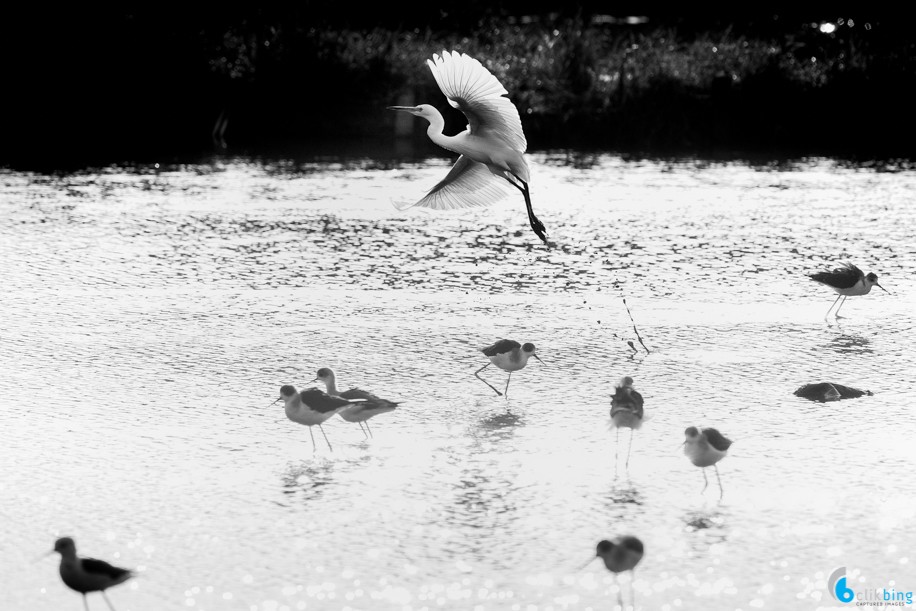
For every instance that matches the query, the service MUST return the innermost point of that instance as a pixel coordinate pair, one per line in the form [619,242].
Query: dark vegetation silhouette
[87,85]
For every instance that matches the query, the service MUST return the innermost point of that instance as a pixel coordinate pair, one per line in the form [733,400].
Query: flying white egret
[492,147]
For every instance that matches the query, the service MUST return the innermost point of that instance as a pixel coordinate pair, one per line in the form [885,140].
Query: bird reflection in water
[710,523]
[310,479]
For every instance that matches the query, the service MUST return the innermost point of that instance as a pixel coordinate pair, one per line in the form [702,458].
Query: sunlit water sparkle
[150,317]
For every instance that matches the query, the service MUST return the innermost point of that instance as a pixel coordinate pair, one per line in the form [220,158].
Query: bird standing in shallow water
[509,356]
[492,147]
[704,448]
[626,412]
[311,407]
[361,412]
[87,574]
[621,554]
[847,281]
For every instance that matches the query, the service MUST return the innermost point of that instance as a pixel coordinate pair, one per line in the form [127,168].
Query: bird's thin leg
[616,448]
[705,481]
[837,313]
[831,307]
[85,603]
[507,385]
[484,381]
[632,588]
[721,490]
[535,223]
[314,447]
[619,591]
[110,606]
[362,429]
[368,429]
[325,437]
[629,447]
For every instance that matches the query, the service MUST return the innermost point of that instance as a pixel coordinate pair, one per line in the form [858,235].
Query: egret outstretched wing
[474,90]
[467,184]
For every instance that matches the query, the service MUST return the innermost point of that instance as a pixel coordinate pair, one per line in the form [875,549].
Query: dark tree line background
[89,86]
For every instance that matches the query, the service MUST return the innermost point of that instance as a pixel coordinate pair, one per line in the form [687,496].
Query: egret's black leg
[837,313]
[509,379]
[831,307]
[484,381]
[110,606]
[535,223]
[321,428]
[368,429]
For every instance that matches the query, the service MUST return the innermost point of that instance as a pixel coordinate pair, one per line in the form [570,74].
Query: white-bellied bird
[847,281]
[311,407]
[704,448]
[626,412]
[361,412]
[509,356]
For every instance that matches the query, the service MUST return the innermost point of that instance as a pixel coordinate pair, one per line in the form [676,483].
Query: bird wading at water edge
[492,147]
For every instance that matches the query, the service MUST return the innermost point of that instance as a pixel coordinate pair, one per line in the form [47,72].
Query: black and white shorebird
[361,412]
[847,281]
[829,391]
[620,554]
[704,448]
[509,356]
[86,575]
[311,407]
[626,412]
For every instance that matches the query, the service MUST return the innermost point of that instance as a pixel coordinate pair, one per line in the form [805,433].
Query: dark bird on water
[828,391]
[86,575]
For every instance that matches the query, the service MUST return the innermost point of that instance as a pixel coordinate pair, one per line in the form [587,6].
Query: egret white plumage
[626,412]
[492,147]
[847,281]
[87,574]
[509,356]
[704,448]
[311,407]
[361,412]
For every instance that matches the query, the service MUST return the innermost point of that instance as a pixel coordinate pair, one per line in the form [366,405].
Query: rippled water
[150,316]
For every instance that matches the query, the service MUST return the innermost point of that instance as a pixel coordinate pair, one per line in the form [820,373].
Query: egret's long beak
[403,108]
[590,560]
[539,359]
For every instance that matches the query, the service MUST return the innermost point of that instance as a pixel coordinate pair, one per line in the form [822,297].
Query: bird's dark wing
[717,439]
[842,277]
[371,401]
[631,543]
[814,392]
[501,347]
[321,401]
[468,184]
[848,392]
[100,567]
[627,398]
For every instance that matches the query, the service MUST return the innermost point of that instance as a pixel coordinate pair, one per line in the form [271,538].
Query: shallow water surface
[150,317]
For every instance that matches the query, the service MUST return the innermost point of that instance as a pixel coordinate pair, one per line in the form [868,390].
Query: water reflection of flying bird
[311,407]
[704,448]
[87,574]
[492,147]
[626,412]
[620,554]
[361,412]
[847,281]
[509,356]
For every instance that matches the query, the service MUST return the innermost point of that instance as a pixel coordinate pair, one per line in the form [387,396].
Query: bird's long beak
[278,399]
[882,288]
[316,380]
[539,359]
[590,560]
[403,108]
[44,555]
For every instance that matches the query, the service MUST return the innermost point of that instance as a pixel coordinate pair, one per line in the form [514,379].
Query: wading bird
[361,412]
[87,574]
[311,407]
[826,391]
[509,356]
[620,554]
[847,281]
[626,412]
[704,448]
[492,147]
